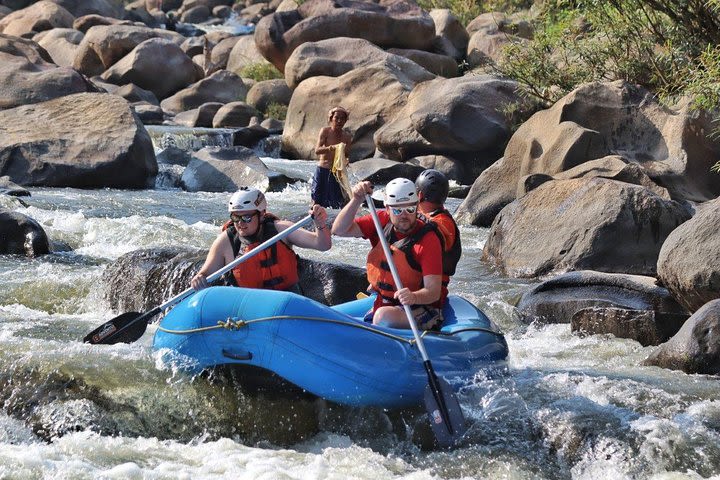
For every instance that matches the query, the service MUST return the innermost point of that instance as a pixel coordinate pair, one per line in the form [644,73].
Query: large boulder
[104,45]
[461,117]
[601,119]
[376,92]
[613,167]
[78,8]
[392,23]
[234,114]
[262,94]
[87,140]
[22,47]
[582,224]
[25,80]
[244,53]
[451,38]
[222,87]
[198,117]
[488,48]
[40,16]
[157,65]
[61,44]
[627,306]
[689,261]
[382,170]
[86,22]
[225,169]
[334,57]
[484,200]
[696,347]
[143,279]
[439,64]
[21,235]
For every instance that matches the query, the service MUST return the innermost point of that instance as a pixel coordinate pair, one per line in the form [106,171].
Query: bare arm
[344,224]
[220,254]
[322,148]
[317,240]
[429,293]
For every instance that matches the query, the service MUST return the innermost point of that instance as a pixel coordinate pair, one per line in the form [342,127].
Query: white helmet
[399,191]
[247,199]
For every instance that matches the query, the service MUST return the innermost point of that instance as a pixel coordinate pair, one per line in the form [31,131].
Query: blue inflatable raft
[329,351]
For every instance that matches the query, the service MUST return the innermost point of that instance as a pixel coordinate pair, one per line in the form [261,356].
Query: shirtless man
[326,190]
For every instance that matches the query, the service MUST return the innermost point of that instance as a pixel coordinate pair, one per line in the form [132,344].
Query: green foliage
[260,71]
[467,10]
[639,41]
[277,111]
[670,47]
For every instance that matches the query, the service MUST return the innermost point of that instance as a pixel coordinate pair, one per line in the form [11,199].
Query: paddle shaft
[238,261]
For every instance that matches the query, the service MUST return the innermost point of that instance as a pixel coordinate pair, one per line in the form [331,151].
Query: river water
[570,407]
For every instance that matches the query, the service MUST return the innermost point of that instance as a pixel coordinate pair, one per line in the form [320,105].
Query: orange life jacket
[408,268]
[275,268]
[451,253]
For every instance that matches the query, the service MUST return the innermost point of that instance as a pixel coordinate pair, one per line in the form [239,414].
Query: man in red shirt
[416,252]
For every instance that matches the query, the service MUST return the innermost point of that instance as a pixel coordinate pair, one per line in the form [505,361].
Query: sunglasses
[242,218]
[398,211]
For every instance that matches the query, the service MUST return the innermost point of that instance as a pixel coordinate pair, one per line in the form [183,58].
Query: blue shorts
[325,189]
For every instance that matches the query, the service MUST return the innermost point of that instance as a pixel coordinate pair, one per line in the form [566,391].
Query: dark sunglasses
[242,218]
[398,211]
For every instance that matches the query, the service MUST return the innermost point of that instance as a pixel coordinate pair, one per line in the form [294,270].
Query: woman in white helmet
[416,252]
[250,224]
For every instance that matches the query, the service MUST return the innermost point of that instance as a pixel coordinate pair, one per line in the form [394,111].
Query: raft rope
[238,323]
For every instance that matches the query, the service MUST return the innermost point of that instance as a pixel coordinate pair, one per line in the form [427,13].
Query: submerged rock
[696,347]
[21,235]
[627,306]
[143,279]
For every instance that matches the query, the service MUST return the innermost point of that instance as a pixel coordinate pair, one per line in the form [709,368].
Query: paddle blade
[448,431]
[125,328]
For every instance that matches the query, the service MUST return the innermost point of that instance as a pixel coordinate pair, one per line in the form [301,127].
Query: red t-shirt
[428,251]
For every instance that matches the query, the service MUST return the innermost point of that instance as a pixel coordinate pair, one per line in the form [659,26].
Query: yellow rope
[232,324]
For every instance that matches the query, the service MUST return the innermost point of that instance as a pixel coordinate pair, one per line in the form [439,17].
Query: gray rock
[158,65]
[582,224]
[9,188]
[395,24]
[143,279]
[696,347]
[93,141]
[689,260]
[222,87]
[21,235]
[382,170]
[627,306]
[376,92]
[218,169]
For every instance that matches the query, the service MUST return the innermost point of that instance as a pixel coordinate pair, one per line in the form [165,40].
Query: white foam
[89,455]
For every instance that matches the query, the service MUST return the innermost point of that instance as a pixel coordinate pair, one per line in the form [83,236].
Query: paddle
[130,326]
[446,417]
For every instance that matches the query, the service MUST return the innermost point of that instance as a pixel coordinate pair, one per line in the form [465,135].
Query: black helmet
[433,184]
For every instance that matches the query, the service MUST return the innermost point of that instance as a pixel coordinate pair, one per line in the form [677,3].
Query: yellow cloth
[339,168]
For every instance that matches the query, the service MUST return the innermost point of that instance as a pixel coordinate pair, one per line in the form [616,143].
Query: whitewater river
[570,407]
